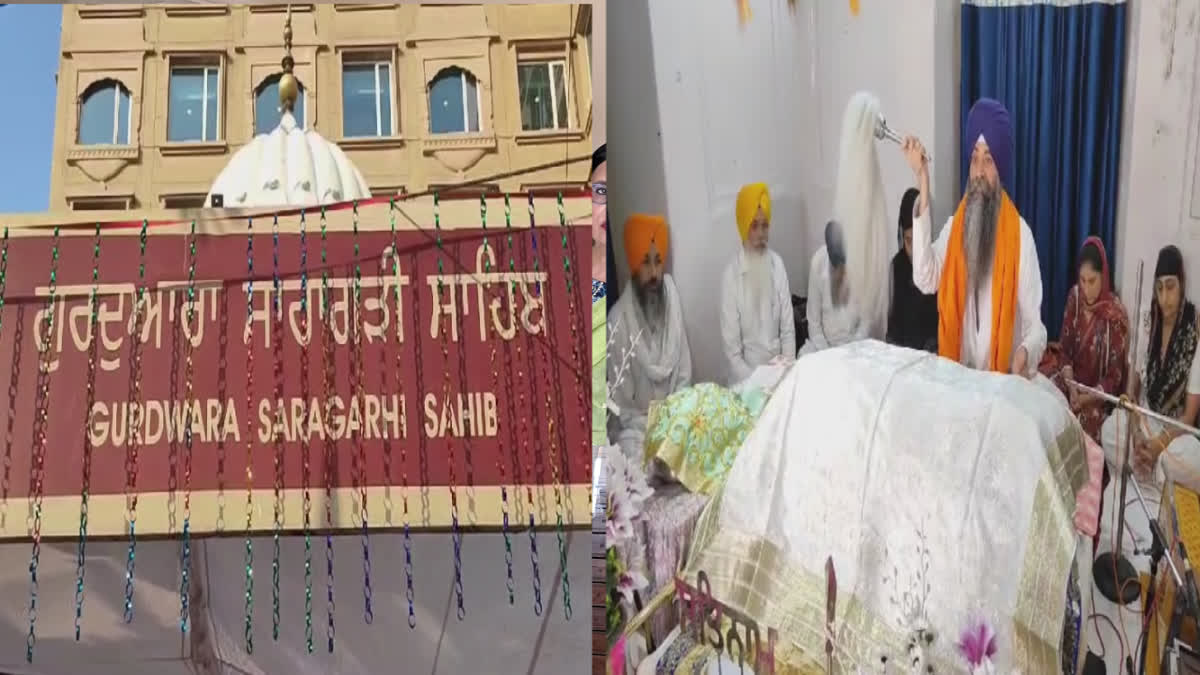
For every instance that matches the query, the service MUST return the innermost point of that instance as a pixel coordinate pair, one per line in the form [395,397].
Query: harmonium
[1179,518]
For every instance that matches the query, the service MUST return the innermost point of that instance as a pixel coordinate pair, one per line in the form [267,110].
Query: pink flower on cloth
[977,644]
[628,582]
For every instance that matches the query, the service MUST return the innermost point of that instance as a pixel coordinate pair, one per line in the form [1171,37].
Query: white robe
[1030,333]
[643,366]
[829,324]
[753,336]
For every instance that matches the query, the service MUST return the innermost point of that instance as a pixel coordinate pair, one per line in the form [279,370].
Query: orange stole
[952,292]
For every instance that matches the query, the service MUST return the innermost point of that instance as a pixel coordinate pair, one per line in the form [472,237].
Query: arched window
[453,102]
[267,110]
[105,115]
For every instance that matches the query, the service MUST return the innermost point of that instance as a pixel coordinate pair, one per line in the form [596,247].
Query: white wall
[702,106]
[1160,197]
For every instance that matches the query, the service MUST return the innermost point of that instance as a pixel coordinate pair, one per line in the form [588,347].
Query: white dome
[288,167]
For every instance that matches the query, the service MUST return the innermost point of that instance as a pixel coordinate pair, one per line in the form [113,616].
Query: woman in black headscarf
[1163,379]
[913,317]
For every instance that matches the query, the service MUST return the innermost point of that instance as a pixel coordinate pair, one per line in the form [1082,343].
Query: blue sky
[29,43]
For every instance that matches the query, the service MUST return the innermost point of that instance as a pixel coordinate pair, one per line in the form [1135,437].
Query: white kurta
[829,324]
[644,366]
[1030,333]
[753,336]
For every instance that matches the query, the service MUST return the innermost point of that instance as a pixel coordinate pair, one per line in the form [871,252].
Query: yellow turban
[749,199]
[642,230]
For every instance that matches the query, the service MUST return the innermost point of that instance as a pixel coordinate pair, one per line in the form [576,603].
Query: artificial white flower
[628,582]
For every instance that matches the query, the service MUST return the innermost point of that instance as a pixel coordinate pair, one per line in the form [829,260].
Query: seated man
[756,303]
[832,319]
[651,358]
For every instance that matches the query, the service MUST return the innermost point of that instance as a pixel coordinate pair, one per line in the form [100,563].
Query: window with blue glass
[193,106]
[267,110]
[543,90]
[367,99]
[453,102]
[105,114]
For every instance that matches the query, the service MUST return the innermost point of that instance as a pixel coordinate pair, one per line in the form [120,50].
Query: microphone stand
[1187,598]
[1182,598]
[1114,575]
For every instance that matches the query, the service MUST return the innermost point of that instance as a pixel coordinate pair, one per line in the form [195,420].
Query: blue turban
[989,118]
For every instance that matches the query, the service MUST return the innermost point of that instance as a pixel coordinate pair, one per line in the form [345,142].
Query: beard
[979,237]
[758,278]
[651,298]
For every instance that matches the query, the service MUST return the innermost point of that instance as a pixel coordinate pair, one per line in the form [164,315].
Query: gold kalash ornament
[289,86]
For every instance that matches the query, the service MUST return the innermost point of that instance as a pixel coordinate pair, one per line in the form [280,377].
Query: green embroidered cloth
[698,431]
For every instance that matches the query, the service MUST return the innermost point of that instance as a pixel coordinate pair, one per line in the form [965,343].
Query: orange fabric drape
[952,292]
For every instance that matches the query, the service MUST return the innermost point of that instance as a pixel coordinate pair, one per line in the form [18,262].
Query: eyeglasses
[600,193]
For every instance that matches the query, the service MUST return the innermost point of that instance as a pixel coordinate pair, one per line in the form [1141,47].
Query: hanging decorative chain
[360,451]
[14,380]
[461,349]
[37,476]
[526,451]
[408,567]
[134,440]
[579,366]
[173,440]
[330,443]
[305,447]
[423,479]
[487,269]
[456,533]
[189,373]
[555,437]
[90,397]
[276,433]
[222,369]
[383,374]
[222,389]
[248,338]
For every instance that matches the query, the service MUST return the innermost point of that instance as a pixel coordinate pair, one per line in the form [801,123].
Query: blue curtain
[1059,68]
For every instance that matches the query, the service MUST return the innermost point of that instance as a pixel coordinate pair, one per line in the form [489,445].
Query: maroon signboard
[416,375]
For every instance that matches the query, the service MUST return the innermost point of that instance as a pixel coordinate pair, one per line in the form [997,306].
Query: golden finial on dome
[289,87]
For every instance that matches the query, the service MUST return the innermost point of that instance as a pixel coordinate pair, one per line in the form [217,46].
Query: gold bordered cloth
[943,495]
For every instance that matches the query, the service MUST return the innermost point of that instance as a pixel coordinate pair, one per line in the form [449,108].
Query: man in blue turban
[984,264]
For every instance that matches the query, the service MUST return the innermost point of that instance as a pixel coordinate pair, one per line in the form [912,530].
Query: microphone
[885,133]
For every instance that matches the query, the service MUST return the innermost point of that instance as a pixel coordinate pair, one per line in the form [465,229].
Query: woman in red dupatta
[1094,342]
